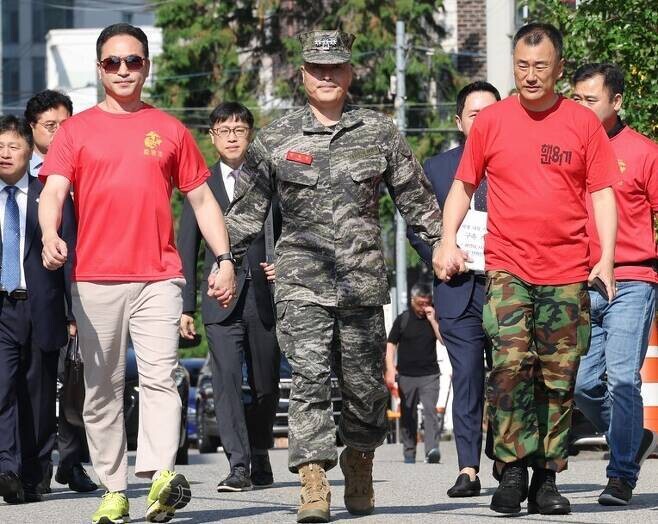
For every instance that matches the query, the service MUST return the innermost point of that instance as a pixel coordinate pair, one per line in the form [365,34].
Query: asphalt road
[405,493]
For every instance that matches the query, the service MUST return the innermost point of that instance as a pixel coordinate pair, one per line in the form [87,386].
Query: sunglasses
[112,64]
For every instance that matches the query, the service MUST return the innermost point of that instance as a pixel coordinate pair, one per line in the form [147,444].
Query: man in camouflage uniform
[541,154]
[326,162]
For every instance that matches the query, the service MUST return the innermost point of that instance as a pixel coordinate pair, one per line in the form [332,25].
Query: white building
[71,62]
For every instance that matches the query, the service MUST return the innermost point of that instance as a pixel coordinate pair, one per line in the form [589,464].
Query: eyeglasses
[224,132]
[112,64]
[51,127]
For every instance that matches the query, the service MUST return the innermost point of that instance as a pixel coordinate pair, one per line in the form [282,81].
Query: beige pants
[107,314]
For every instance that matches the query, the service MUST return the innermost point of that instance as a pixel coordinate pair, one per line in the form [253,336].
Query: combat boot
[357,469]
[543,497]
[315,497]
[512,490]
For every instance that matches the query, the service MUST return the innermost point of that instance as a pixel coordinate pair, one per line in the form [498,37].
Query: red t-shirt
[538,167]
[123,168]
[636,191]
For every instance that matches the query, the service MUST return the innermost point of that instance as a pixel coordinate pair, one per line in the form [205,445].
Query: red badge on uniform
[301,158]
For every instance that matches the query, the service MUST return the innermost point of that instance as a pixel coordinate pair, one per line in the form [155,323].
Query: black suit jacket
[452,297]
[49,291]
[189,241]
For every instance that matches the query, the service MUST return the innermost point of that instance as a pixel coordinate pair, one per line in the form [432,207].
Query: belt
[16,294]
[482,277]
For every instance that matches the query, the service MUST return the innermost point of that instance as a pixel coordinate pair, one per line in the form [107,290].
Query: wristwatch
[225,256]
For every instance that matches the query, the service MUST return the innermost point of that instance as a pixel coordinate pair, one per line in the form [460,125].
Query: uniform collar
[349,118]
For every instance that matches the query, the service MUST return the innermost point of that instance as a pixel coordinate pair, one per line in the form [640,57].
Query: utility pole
[400,225]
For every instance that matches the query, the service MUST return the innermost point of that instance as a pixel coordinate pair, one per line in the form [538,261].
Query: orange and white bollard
[649,375]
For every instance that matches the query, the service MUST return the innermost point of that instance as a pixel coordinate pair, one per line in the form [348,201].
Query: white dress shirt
[36,161]
[229,179]
[21,200]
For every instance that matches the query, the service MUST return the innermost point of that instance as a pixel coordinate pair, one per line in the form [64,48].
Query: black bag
[73,389]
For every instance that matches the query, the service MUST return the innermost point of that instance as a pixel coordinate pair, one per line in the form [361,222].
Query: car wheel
[205,443]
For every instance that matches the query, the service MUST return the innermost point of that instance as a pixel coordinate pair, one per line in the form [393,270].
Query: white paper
[470,238]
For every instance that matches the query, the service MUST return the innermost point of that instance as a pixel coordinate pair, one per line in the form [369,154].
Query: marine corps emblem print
[152,143]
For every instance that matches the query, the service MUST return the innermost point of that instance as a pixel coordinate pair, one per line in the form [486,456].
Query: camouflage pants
[538,334]
[351,341]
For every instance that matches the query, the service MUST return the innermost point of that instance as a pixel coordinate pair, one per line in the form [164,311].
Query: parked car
[208,439]
[193,367]
[131,404]
[583,434]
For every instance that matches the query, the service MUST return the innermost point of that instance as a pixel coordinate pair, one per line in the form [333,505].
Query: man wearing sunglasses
[245,330]
[123,159]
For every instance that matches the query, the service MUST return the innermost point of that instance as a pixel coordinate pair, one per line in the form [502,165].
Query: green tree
[624,32]
[215,50]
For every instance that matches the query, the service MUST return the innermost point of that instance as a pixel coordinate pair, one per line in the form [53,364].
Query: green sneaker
[170,491]
[114,509]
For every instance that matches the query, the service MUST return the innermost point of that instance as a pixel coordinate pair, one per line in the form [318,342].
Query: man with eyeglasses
[45,112]
[326,162]
[245,330]
[123,159]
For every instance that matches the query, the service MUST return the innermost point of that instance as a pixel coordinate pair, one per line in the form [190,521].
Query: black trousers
[28,387]
[243,337]
[467,344]
[71,443]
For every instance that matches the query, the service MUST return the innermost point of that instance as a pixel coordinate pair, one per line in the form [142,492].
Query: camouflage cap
[326,47]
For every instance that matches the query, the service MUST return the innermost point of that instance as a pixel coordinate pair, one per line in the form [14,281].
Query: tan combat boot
[357,469]
[315,496]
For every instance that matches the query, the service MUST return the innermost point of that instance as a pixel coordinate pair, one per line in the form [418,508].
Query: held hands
[605,270]
[186,328]
[270,272]
[448,260]
[221,284]
[54,253]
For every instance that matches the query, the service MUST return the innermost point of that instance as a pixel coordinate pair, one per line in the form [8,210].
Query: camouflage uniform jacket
[328,178]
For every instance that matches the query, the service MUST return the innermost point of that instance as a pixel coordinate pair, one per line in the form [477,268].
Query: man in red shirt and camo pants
[541,154]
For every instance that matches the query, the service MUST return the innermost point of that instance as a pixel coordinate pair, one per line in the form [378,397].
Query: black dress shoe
[544,497]
[11,487]
[77,479]
[465,487]
[261,471]
[512,490]
[237,480]
[44,485]
[618,492]
[433,456]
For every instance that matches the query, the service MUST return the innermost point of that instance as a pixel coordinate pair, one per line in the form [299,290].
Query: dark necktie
[480,196]
[11,243]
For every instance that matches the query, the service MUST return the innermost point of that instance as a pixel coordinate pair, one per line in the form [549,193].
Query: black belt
[480,276]
[16,294]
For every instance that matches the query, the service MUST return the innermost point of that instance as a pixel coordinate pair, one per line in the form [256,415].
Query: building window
[9,21]
[11,84]
[46,17]
[38,73]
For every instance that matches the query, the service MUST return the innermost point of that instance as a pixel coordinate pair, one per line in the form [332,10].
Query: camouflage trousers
[538,334]
[352,341]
